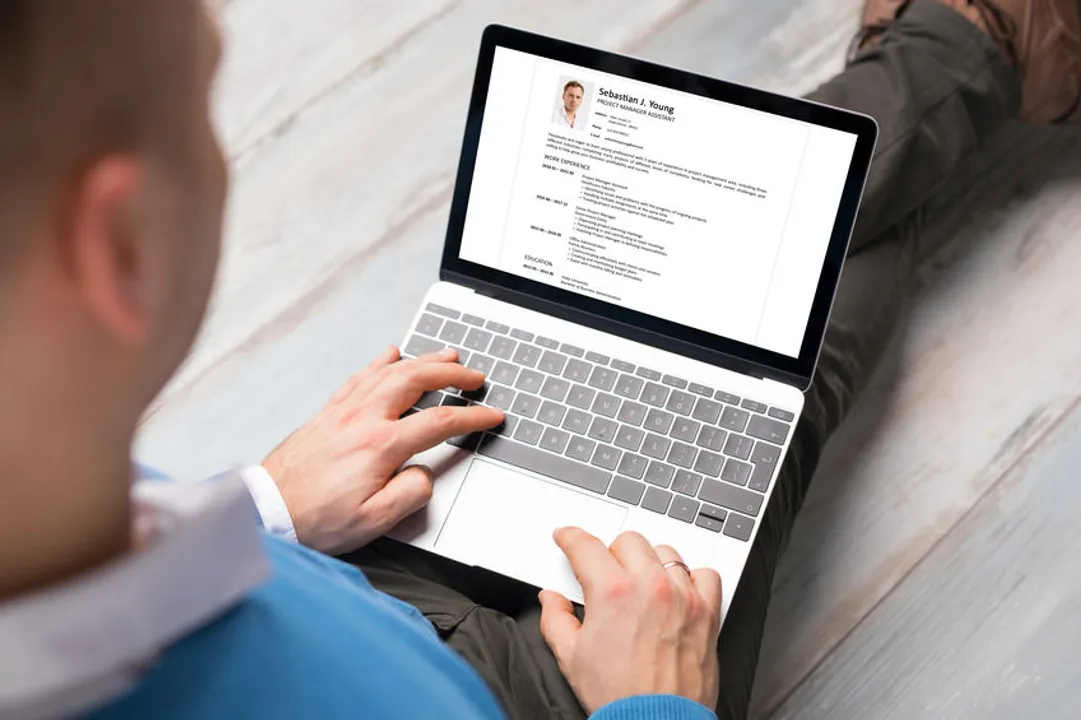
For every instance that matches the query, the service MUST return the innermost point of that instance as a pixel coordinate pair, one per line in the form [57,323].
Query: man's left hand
[340,474]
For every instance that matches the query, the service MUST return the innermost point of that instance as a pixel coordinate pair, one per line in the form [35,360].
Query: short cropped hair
[573,83]
[81,79]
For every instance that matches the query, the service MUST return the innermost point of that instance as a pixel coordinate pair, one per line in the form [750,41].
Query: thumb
[559,625]
[404,494]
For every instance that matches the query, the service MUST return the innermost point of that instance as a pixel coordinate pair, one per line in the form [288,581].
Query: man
[566,115]
[165,601]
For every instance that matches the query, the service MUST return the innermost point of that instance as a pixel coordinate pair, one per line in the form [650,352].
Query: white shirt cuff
[268,501]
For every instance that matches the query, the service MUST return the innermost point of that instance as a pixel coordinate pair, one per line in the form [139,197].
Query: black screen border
[641,327]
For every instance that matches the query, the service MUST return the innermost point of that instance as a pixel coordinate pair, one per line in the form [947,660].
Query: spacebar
[545,463]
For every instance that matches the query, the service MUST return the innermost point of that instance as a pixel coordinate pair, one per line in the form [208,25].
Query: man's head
[111,194]
[572,96]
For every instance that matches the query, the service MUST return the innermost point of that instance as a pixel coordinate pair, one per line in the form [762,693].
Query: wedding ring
[673,563]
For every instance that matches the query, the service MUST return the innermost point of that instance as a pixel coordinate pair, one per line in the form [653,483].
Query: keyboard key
[478,394]
[419,345]
[603,429]
[507,426]
[711,438]
[528,431]
[685,429]
[734,419]
[555,388]
[780,414]
[627,490]
[521,335]
[700,389]
[633,465]
[711,518]
[527,355]
[629,386]
[597,358]
[629,438]
[760,477]
[603,378]
[466,442]
[547,342]
[554,440]
[730,496]
[738,446]
[473,320]
[738,527]
[606,456]
[580,448]
[552,362]
[632,413]
[683,508]
[444,311]
[709,463]
[453,332]
[644,372]
[503,347]
[501,397]
[545,463]
[429,325]
[753,406]
[577,421]
[707,411]
[726,397]
[577,370]
[682,454]
[674,381]
[497,327]
[622,365]
[551,414]
[656,446]
[478,339]
[657,500]
[504,373]
[606,405]
[686,483]
[655,395]
[659,474]
[659,421]
[736,472]
[454,400]
[529,381]
[765,454]
[581,397]
[767,429]
[462,355]
[429,399]
[680,402]
[572,350]
[482,363]
[526,405]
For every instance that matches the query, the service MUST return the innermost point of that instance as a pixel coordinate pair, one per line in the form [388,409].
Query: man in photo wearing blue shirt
[123,595]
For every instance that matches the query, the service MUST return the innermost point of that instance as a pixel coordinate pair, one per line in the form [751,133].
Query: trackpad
[503,520]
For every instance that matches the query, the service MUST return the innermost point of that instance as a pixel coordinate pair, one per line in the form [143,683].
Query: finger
[385,358]
[636,554]
[679,575]
[559,625]
[427,428]
[379,375]
[405,383]
[590,560]
[404,494]
[708,584]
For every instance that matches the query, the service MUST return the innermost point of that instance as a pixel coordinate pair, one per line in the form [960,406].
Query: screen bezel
[632,324]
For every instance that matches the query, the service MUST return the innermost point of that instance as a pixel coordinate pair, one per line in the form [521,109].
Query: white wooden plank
[354,169]
[989,625]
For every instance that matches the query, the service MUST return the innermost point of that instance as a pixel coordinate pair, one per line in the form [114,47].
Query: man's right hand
[647,630]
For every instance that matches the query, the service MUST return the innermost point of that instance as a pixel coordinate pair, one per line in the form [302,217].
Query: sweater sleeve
[654,707]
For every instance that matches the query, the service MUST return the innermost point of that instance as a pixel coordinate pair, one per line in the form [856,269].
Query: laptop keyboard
[694,453]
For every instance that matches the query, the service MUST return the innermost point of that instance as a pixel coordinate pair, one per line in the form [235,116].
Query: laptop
[642,261]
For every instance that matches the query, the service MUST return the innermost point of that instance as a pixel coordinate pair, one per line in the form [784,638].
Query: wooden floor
[936,568]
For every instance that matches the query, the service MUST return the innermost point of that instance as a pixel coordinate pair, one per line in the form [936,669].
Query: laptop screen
[703,213]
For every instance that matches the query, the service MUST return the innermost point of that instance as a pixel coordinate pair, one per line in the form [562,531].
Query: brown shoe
[1042,38]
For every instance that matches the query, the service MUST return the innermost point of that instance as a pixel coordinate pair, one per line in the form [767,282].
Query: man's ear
[101,248]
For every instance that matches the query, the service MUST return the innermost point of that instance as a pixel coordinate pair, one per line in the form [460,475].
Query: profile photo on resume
[571,108]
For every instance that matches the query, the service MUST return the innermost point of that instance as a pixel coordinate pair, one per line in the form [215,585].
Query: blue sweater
[318,641]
